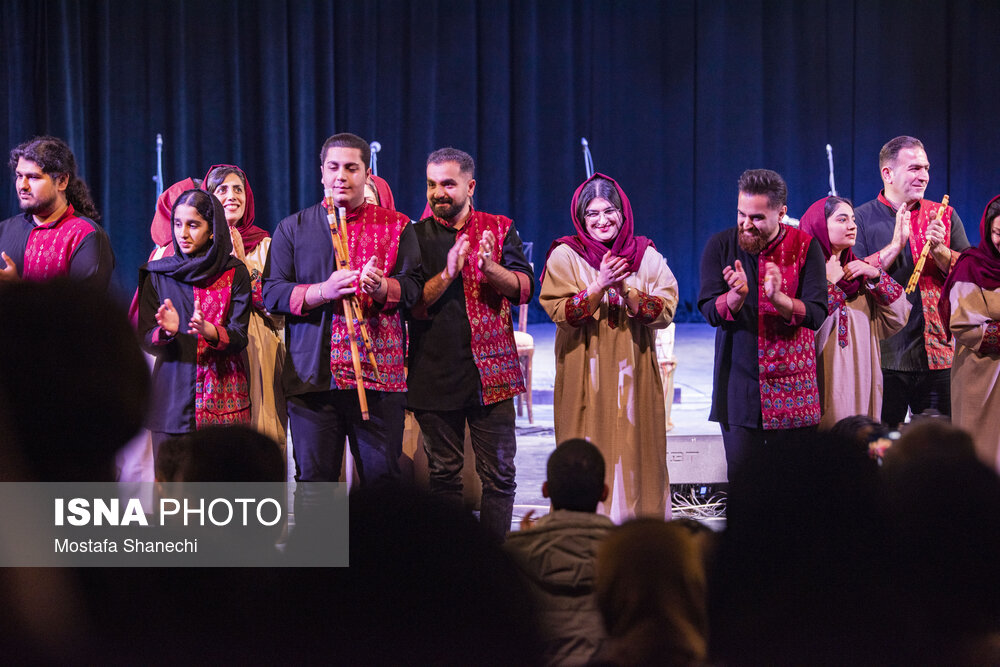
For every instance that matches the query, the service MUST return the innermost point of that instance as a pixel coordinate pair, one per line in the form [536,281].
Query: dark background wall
[676,98]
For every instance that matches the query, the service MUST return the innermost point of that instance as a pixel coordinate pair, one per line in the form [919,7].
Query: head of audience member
[344,168]
[930,437]
[45,179]
[945,545]
[800,569]
[651,590]
[426,586]
[220,454]
[760,207]
[451,182]
[868,435]
[599,209]
[575,474]
[72,378]
[905,171]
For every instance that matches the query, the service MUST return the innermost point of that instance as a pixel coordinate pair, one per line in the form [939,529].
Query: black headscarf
[217,259]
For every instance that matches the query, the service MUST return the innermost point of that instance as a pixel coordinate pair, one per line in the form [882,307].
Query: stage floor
[694,347]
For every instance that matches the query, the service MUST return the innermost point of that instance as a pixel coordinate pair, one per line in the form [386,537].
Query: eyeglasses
[593,216]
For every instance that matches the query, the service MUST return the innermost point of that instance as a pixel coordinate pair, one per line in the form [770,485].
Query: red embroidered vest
[50,246]
[493,347]
[939,350]
[222,392]
[786,354]
[372,231]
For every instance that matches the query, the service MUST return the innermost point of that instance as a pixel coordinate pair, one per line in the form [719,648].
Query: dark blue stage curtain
[676,98]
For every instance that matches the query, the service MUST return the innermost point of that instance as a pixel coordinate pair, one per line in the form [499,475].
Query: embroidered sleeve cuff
[392,293]
[223,341]
[524,287]
[955,254]
[835,298]
[297,301]
[722,308]
[578,309]
[991,338]
[650,308]
[257,291]
[886,290]
[798,313]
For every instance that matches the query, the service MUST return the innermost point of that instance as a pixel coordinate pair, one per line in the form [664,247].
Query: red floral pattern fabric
[939,350]
[650,308]
[50,246]
[222,391]
[372,231]
[786,353]
[578,309]
[493,346]
[991,338]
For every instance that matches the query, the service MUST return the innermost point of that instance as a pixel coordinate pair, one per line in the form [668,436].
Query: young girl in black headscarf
[194,308]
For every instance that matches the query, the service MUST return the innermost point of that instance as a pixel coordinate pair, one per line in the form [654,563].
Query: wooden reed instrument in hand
[352,310]
[919,268]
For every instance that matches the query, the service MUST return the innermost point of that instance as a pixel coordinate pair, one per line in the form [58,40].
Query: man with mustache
[56,234]
[463,365]
[916,362]
[763,285]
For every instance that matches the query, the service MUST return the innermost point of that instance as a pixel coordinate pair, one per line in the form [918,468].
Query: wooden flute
[919,268]
[352,311]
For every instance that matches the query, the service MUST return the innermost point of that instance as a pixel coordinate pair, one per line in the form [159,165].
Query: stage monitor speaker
[696,459]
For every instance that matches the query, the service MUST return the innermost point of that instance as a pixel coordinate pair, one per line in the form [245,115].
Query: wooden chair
[525,354]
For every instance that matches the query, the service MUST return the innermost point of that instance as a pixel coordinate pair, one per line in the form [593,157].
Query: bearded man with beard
[463,365]
[763,286]
[56,233]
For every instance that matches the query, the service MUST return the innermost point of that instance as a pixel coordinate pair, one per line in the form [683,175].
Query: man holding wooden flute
[892,232]
[303,281]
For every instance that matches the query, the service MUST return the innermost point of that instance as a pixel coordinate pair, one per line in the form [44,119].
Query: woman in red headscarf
[865,306]
[970,308]
[608,290]
[266,348]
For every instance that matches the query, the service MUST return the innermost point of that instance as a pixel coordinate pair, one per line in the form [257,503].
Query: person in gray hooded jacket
[556,553]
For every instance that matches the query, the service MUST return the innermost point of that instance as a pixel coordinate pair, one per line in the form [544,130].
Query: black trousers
[916,390]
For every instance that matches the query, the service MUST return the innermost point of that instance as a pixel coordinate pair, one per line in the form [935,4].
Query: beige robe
[975,398]
[608,388]
[265,355]
[850,378]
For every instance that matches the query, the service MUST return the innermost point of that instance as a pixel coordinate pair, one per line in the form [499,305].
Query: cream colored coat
[975,398]
[608,388]
[850,378]
[265,356]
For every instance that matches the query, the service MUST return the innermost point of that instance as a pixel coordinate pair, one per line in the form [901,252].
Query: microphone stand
[588,160]
[376,147]
[829,159]
[158,179]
